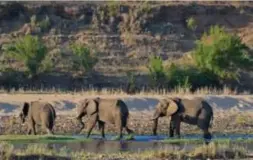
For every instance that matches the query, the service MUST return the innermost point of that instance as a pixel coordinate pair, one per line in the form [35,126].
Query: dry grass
[213,150]
[120,92]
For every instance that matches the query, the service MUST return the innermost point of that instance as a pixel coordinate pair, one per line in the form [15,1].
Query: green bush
[189,77]
[45,24]
[30,50]
[221,53]
[191,23]
[83,59]
[156,71]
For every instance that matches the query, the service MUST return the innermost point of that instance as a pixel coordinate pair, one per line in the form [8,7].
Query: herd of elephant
[114,111]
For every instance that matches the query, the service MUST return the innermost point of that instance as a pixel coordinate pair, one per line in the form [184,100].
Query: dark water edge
[140,143]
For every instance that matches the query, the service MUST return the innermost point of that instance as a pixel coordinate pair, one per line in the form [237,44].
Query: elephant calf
[195,112]
[38,113]
[113,111]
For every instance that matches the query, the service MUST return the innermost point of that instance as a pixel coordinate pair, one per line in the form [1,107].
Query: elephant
[191,111]
[38,112]
[102,111]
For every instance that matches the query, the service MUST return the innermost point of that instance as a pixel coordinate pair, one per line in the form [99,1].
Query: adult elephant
[113,111]
[38,112]
[191,111]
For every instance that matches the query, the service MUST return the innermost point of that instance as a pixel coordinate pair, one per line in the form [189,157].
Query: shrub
[221,53]
[156,71]
[191,23]
[83,59]
[131,82]
[33,20]
[30,50]
[44,24]
[113,8]
[189,77]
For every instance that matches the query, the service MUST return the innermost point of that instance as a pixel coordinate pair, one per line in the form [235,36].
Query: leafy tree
[221,53]
[30,50]
[156,70]
[83,59]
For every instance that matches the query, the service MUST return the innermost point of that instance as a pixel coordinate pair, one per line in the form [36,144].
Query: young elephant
[113,111]
[38,113]
[195,112]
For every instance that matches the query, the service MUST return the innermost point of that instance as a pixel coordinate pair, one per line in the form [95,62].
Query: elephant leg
[101,126]
[91,124]
[172,128]
[48,127]
[129,131]
[178,129]
[204,125]
[29,131]
[207,136]
[31,126]
[120,128]
[49,131]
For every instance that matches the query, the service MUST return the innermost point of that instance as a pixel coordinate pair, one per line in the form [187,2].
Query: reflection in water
[103,146]
[139,144]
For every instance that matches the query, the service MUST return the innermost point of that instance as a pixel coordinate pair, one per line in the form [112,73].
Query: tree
[83,59]
[30,50]
[156,71]
[221,53]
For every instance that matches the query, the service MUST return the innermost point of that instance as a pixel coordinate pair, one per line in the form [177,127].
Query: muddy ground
[232,114]
[139,123]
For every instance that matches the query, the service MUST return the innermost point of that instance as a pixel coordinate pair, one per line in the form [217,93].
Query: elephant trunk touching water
[113,111]
[195,112]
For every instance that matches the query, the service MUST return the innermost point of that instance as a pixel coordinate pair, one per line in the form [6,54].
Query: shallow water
[140,143]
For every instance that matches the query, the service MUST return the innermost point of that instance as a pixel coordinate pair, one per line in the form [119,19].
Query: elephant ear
[25,108]
[92,107]
[172,107]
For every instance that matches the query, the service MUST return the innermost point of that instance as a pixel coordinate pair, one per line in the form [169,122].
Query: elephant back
[191,106]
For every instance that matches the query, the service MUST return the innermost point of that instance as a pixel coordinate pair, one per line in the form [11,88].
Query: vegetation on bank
[217,59]
[213,150]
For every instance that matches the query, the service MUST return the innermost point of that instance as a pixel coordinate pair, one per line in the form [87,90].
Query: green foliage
[83,59]
[191,23]
[33,20]
[145,7]
[131,82]
[221,53]
[189,77]
[45,24]
[156,70]
[30,50]
[113,8]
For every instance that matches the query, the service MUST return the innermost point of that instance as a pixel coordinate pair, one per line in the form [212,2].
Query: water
[140,143]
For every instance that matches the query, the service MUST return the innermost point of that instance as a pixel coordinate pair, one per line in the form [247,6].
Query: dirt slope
[123,34]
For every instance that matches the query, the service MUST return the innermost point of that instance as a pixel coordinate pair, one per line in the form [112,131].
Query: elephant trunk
[81,122]
[79,119]
[155,126]
[155,121]
[156,115]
